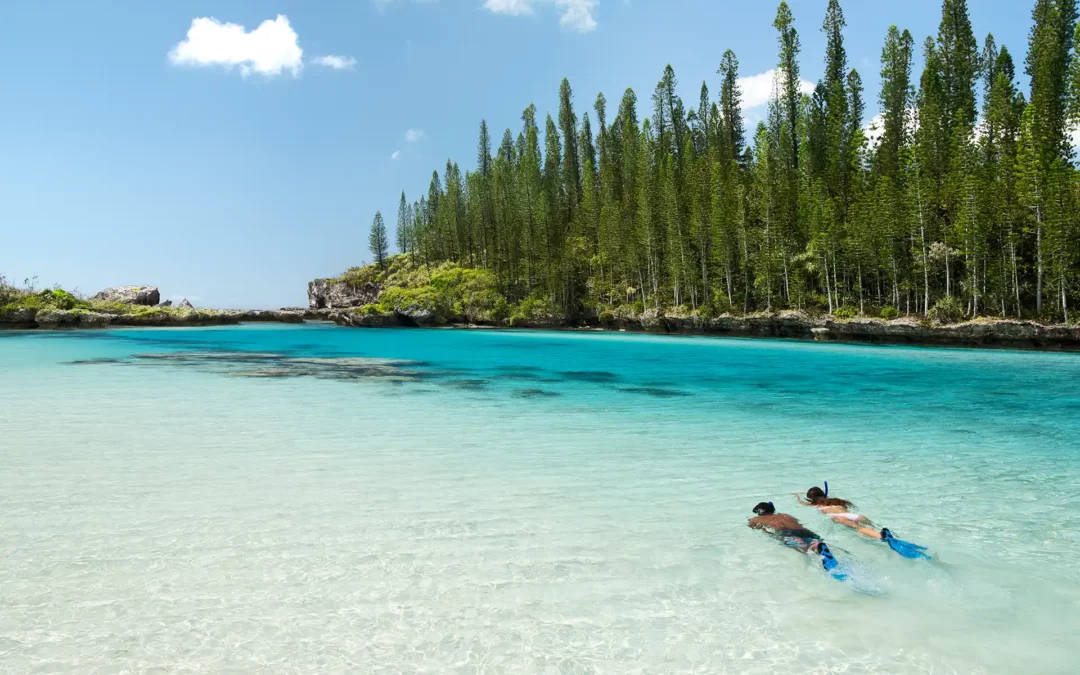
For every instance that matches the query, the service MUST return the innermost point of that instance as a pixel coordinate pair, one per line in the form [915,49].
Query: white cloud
[577,15]
[414,135]
[269,50]
[383,4]
[395,155]
[510,7]
[758,89]
[335,62]
[874,130]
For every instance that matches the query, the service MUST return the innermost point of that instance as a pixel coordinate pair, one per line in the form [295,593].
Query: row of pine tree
[966,197]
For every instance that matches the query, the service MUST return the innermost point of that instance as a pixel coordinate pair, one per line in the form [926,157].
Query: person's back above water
[791,532]
[785,527]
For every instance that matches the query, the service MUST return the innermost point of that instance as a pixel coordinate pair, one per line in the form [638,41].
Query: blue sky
[231,165]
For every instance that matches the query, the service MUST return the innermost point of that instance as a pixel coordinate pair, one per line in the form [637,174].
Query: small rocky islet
[409,295]
[124,306]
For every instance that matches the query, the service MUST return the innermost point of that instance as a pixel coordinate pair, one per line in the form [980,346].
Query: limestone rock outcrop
[335,294]
[71,318]
[131,295]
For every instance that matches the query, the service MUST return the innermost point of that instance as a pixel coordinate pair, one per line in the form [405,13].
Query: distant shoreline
[150,317]
[978,334]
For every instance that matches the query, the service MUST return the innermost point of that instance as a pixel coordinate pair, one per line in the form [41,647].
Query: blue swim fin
[828,561]
[904,548]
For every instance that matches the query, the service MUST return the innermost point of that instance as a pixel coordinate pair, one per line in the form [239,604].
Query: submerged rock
[655,392]
[277,366]
[534,393]
[132,295]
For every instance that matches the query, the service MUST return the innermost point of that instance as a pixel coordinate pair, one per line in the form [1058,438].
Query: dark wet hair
[816,496]
[765,509]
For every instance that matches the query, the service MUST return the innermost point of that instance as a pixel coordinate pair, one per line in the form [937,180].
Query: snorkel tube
[826,488]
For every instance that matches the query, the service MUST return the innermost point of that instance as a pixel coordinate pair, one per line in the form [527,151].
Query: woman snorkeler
[841,512]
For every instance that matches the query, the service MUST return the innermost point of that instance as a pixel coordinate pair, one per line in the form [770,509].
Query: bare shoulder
[785,522]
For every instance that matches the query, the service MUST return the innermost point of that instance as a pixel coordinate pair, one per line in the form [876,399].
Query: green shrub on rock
[846,312]
[60,299]
[814,304]
[532,310]
[946,310]
[408,300]
[889,313]
[368,310]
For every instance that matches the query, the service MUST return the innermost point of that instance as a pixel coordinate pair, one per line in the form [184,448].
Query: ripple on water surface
[313,499]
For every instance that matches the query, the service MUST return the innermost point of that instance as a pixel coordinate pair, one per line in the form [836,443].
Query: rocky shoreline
[351,306]
[982,333]
[73,319]
[371,298]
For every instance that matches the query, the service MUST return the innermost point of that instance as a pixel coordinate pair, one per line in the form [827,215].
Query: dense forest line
[964,204]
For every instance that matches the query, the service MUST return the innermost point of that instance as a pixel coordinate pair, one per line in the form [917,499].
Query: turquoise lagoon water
[316,499]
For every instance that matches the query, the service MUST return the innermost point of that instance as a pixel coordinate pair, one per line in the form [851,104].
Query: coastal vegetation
[27,307]
[442,292]
[958,201]
[19,300]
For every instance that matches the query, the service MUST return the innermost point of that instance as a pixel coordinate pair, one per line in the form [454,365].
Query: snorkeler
[839,511]
[790,531]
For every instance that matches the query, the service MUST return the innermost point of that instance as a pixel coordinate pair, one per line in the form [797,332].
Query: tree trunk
[730,283]
[1039,278]
[704,278]
[787,281]
[925,272]
[836,279]
[828,290]
[861,310]
[1064,305]
[948,278]
[746,275]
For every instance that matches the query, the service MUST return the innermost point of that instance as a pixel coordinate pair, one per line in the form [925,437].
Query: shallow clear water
[283,499]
